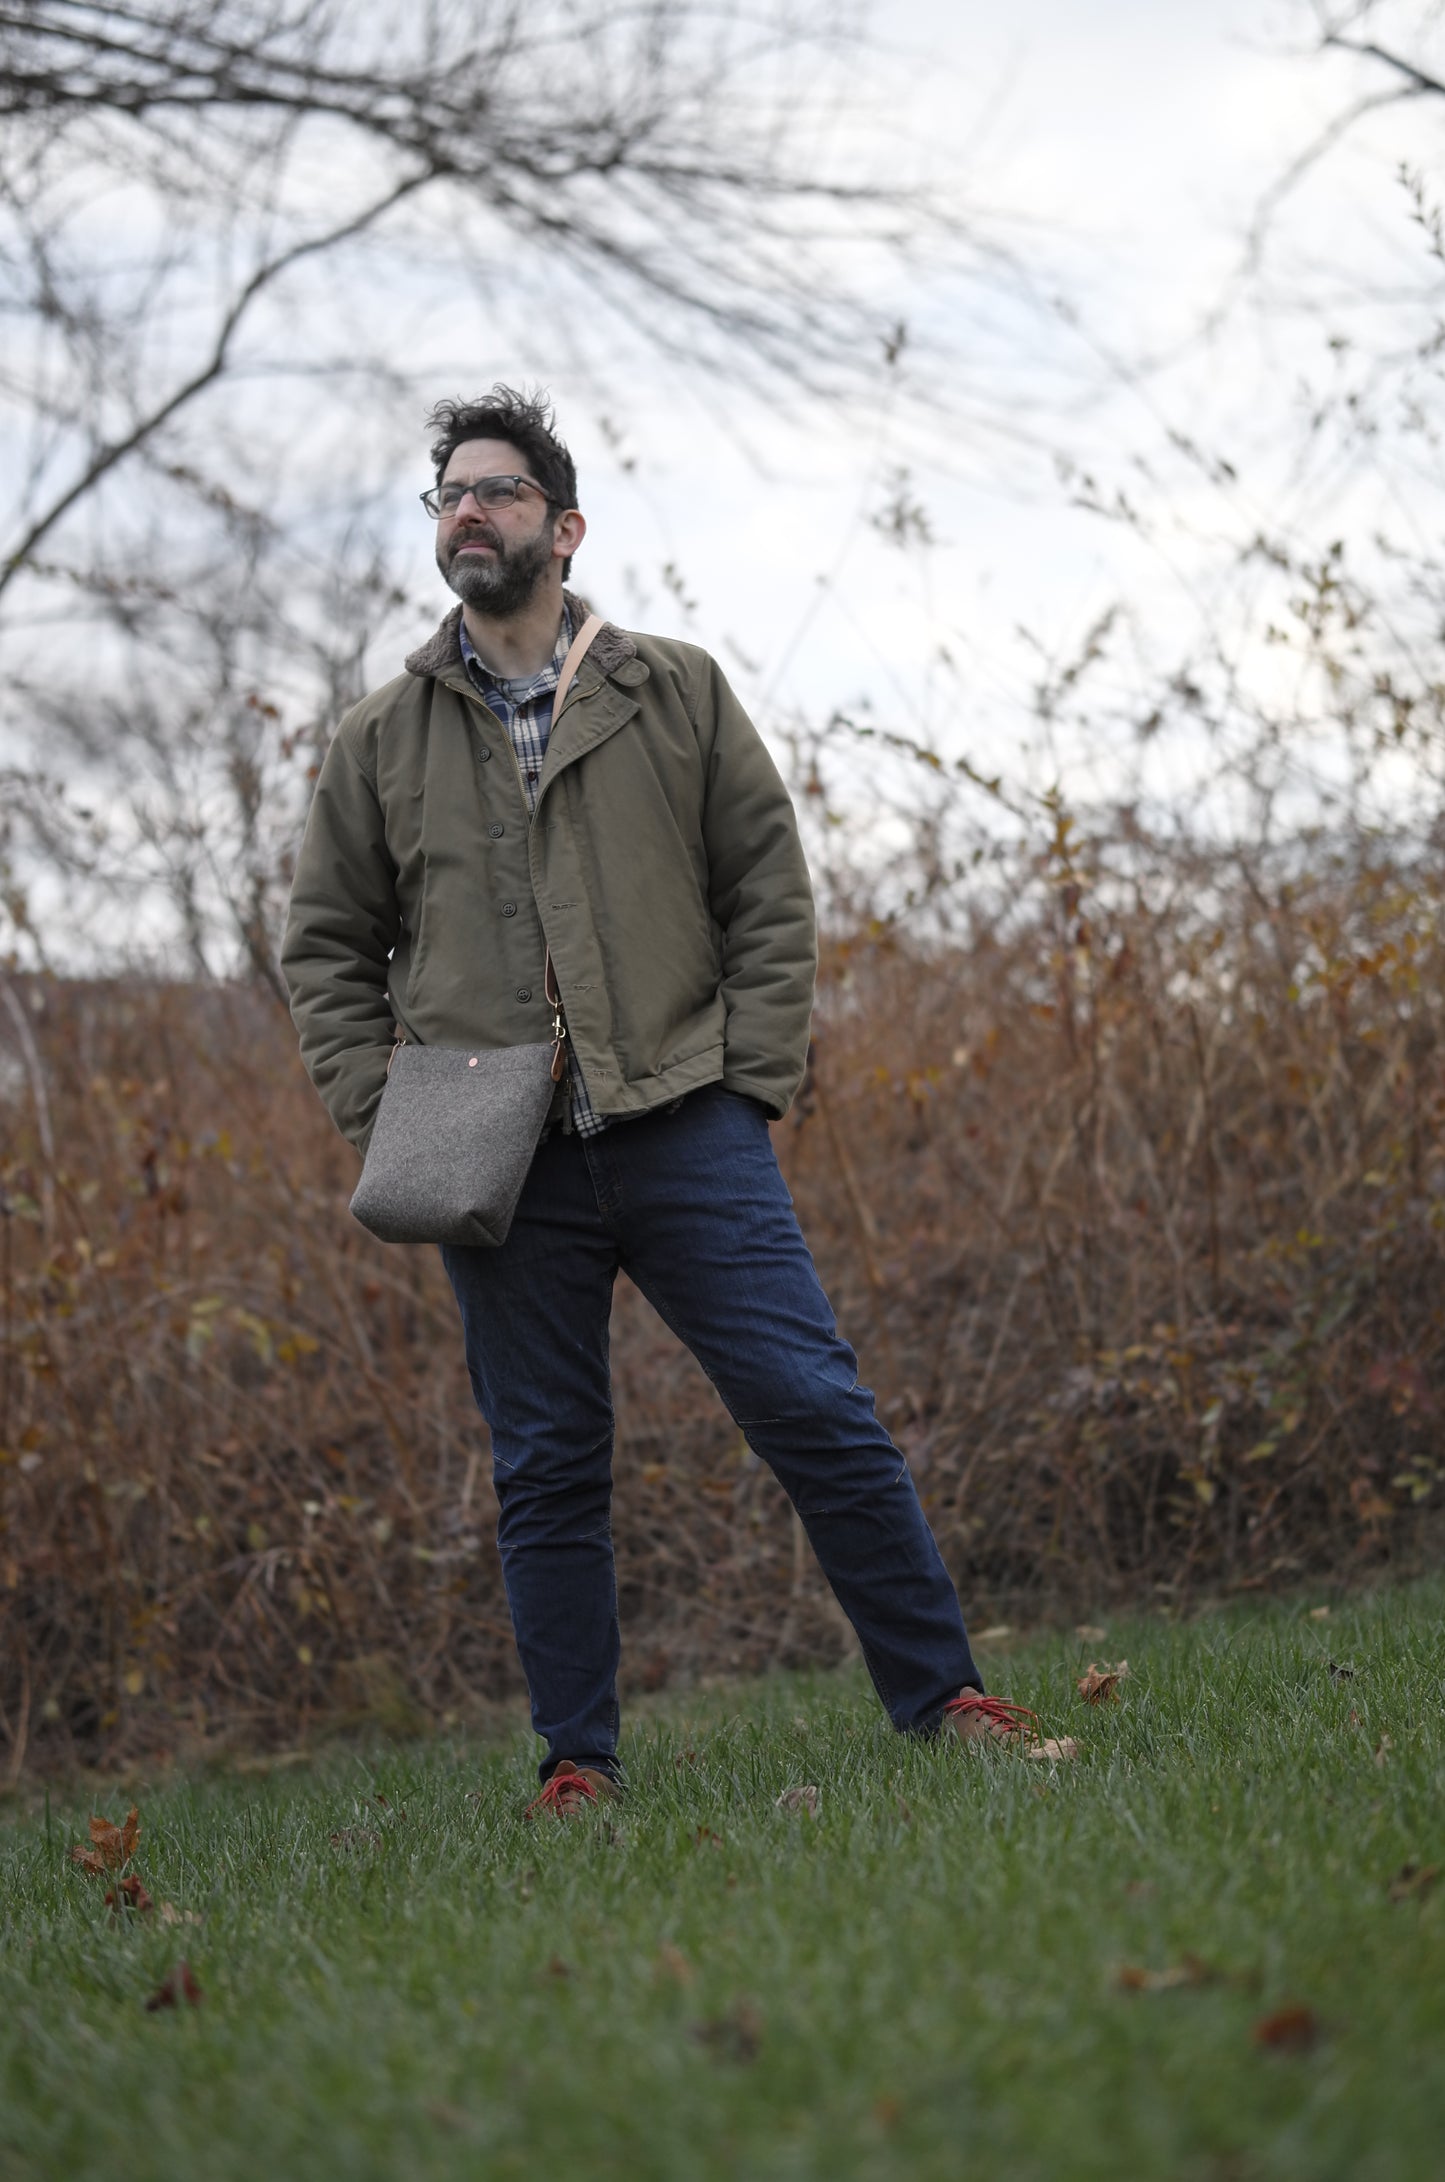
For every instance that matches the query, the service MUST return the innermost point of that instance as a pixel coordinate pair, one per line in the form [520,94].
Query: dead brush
[1134,1216]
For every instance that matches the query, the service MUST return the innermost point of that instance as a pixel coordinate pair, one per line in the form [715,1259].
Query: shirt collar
[520,685]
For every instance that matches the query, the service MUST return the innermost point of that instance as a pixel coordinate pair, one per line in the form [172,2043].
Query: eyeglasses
[488,492]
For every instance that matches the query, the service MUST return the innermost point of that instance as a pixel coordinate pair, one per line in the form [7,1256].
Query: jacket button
[496,832]
[483,751]
[509,909]
[524,992]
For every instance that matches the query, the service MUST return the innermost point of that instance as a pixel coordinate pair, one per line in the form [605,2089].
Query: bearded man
[458,832]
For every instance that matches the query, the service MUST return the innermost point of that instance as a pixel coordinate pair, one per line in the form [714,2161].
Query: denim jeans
[690,1203]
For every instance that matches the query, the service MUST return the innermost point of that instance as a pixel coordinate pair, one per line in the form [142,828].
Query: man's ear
[568,532]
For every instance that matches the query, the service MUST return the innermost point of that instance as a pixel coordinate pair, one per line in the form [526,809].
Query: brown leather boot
[976,1718]
[571,1789]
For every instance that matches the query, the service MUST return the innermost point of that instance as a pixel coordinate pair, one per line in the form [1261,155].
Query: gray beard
[507,582]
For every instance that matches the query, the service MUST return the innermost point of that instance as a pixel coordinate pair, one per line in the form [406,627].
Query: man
[458,831]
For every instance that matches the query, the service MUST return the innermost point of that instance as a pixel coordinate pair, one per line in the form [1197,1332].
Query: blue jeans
[690,1204]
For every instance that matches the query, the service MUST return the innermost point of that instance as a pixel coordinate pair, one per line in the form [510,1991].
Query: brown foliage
[1133,1212]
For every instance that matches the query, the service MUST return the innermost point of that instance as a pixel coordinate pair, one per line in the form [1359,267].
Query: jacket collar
[442,654]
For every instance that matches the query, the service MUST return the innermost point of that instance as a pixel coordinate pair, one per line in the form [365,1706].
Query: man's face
[495,558]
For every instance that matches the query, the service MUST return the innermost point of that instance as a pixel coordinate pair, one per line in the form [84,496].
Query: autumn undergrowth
[1212,1947]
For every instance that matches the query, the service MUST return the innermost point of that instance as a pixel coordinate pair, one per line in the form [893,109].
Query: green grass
[923,1981]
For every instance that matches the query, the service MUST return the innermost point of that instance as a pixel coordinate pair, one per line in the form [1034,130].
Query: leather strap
[576,651]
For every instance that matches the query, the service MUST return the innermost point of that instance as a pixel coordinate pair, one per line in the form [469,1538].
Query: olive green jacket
[662,866]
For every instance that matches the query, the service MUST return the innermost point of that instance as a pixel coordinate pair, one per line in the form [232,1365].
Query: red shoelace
[564,1793]
[1013,1719]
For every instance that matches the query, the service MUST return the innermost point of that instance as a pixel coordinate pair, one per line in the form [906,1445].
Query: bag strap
[576,651]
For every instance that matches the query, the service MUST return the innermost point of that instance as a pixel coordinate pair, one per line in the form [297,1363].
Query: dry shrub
[1133,1209]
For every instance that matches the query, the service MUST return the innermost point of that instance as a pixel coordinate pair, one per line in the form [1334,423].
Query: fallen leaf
[1293,2029]
[671,1966]
[905,1810]
[169,1914]
[1412,1882]
[801,1799]
[130,1893]
[1341,1671]
[113,1845]
[995,1635]
[1382,1750]
[355,1837]
[556,1967]
[1087,1633]
[705,1838]
[684,1757]
[736,2036]
[1319,1613]
[887,2112]
[1141,1890]
[1189,1970]
[1100,1685]
[179,1986]
[445,2115]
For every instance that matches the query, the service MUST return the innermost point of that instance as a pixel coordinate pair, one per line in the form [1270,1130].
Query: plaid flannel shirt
[524,707]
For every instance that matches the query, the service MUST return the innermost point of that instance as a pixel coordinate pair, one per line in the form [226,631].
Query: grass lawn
[964,1965]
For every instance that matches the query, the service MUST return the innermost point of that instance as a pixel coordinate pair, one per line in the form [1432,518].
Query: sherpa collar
[443,652]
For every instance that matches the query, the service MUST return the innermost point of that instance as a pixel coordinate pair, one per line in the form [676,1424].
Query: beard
[504,584]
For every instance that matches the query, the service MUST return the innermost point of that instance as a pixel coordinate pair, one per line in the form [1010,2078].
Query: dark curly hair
[525,420]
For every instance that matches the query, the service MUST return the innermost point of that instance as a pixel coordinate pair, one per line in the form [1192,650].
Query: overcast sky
[1121,149]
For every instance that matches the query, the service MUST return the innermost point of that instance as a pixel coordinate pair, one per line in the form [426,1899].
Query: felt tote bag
[458,1127]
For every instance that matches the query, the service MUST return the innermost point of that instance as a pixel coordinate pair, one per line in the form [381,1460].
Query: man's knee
[553,1493]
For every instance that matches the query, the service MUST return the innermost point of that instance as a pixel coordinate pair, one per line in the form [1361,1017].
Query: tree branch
[116,450]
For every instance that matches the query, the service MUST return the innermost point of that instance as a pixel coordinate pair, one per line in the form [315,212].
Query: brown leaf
[1189,1970]
[705,1838]
[1100,1685]
[128,1893]
[113,1845]
[736,2036]
[1382,1751]
[1412,1882]
[1088,1633]
[887,2111]
[671,1966]
[806,1799]
[179,1987]
[355,1837]
[1292,2029]
[556,1967]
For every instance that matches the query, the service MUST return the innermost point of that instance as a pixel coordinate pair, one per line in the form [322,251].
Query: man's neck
[522,643]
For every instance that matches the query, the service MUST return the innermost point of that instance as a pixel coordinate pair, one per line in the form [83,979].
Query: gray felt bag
[457,1130]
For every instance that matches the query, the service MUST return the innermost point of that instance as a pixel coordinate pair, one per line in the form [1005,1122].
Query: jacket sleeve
[760,895]
[343,922]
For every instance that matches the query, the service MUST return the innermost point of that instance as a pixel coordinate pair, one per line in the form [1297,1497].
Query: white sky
[1122,148]
[1119,150]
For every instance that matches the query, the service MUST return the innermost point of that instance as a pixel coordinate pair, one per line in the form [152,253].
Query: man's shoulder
[399,699]
[687,669]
